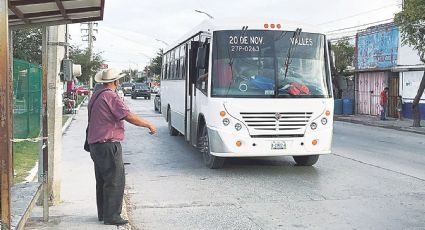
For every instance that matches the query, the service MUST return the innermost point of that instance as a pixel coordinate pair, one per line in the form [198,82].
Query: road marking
[376,166]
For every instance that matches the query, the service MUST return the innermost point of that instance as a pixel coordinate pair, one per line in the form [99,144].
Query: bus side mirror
[201,57]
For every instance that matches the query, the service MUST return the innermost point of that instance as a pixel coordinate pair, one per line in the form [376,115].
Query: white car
[127,87]
[120,93]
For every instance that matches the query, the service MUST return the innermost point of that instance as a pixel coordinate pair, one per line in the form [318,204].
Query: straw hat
[108,75]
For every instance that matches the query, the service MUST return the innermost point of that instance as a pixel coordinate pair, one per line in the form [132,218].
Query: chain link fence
[27,103]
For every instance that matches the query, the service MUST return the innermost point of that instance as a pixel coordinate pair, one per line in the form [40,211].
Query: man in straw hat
[107,113]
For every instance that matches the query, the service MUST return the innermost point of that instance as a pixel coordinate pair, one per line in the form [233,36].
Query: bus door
[191,118]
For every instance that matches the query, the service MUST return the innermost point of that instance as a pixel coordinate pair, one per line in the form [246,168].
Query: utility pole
[89,37]
[90,40]
[6,126]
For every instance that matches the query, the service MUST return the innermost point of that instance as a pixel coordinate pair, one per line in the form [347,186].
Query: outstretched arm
[138,121]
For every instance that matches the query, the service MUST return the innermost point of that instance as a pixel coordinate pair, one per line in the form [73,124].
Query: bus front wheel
[306,160]
[211,161]
[171,130]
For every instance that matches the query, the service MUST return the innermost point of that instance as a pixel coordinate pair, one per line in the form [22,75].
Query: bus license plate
[278,145]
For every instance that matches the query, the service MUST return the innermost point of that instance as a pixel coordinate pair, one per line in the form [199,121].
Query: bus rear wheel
[171,130]
[211,161]
[306,160]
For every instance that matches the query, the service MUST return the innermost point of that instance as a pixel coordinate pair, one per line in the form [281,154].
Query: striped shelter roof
[54,12]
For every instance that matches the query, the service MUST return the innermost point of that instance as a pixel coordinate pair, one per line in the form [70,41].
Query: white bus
[250,89]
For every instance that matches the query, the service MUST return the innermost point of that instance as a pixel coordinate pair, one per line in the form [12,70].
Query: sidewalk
[77,209]
[391,123]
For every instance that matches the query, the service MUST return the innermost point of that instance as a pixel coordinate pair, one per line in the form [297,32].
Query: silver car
[157,102]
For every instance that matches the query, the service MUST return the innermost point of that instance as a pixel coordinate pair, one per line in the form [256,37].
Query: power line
[140,34]
[124,37]
[377,28]
[355,15]
[353,27]
[368,31]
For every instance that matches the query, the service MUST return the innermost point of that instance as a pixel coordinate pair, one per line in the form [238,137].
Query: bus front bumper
[223,144]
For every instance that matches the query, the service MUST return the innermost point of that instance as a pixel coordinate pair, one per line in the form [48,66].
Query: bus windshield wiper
[291,50]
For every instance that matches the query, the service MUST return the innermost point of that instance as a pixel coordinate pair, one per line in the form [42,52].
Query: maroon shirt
[106,117]
[383,97]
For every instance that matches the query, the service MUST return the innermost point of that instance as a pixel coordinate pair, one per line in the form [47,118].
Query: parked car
[120,93]
[97,87]
[140,90]
[127,88]
[157,102]
[82,90]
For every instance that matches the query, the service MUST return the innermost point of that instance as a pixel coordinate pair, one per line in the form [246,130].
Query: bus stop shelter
[15,14]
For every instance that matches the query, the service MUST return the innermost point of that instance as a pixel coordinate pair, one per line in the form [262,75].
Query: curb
[125,214]
[33,174]
[404,129]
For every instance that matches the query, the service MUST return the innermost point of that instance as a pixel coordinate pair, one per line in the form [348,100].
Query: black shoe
[100,218]
[116,222]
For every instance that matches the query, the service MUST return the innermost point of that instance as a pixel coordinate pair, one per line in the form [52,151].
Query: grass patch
[65,118]
[80,99]
[25,155]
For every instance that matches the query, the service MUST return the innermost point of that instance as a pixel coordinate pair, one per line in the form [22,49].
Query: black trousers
[110,179]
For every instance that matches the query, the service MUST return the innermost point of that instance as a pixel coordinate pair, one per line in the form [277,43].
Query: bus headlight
[313,125]
[324,121]
[226,121]
[238,126]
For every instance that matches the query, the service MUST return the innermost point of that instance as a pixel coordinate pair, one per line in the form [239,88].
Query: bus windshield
[257,63]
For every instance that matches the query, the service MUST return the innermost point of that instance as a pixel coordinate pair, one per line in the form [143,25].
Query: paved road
[374,180]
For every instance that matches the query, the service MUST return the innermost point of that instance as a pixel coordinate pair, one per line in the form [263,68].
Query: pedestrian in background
[383,102]
[400,107]
[107,113]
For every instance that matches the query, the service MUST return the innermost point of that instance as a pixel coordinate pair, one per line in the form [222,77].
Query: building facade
[410,70]
[382,61]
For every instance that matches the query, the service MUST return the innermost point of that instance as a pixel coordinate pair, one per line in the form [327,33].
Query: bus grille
[276,121]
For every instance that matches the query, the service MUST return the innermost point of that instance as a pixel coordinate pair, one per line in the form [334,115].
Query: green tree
[88,67]
[411,21]
[344,57]
[156,63]
[129,74]
[27,44]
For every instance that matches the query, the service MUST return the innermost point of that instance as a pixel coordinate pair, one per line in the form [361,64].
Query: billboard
[377,47]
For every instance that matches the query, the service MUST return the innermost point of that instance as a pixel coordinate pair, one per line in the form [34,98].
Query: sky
[132,32]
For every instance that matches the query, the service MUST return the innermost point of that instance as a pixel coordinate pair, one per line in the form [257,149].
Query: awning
[406,68]
[399,68]
[54,12]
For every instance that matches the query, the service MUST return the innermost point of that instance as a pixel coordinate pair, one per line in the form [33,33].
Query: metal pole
[66,41]
[203,12]
[6,118]
[45,148]
[90,39]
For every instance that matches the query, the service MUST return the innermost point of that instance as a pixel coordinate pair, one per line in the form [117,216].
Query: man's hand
[136,120]
[152,129]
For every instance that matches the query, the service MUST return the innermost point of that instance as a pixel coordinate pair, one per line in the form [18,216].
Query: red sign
[104,66]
